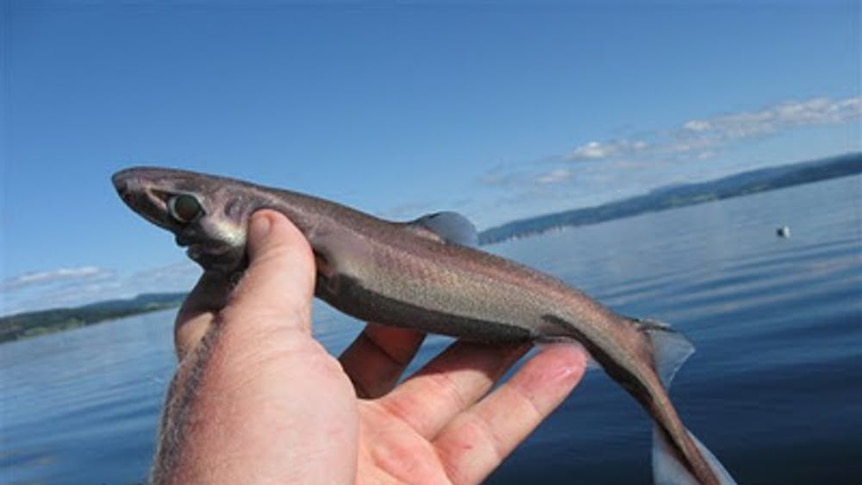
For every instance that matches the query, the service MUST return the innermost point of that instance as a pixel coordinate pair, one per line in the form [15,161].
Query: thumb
[279,281]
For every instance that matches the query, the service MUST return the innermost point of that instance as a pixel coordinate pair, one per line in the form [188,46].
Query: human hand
[257,400]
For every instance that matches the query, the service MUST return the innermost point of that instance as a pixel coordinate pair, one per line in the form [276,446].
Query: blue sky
[497,111]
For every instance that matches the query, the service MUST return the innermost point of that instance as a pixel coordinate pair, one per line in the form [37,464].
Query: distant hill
[745,183]
[30,324]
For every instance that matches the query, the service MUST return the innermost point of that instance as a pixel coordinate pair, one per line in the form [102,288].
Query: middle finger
[377,358]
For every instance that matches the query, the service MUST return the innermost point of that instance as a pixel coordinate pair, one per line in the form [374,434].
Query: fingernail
[259,227]
[573,357]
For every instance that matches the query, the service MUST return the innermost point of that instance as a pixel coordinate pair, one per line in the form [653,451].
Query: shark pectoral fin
[668,470]
[448,227]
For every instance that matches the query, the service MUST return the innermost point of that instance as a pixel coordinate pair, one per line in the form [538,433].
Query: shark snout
[124,182]
[132,189]
[136,193]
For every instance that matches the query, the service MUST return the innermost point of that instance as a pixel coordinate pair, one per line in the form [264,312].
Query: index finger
[198,312]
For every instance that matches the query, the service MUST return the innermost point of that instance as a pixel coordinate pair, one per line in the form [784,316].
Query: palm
[435,427]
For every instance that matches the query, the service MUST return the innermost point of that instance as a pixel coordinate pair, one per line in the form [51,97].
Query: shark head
[203,212]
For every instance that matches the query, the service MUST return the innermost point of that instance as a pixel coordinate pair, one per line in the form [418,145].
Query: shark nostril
[120,182]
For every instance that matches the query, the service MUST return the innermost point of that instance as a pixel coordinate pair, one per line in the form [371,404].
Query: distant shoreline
[738,185]
[31,324]
[43,322]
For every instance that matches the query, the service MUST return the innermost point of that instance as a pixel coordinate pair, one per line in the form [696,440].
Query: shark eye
[184,208]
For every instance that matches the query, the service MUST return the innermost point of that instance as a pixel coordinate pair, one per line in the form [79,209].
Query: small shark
[428,275]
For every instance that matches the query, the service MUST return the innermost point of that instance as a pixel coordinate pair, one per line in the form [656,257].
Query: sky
[496,110]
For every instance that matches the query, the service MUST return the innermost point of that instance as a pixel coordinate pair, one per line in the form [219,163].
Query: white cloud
[697,125]
[594,150]
[78,286]
[782,116]
[555,176]
[709,134]
[61,275]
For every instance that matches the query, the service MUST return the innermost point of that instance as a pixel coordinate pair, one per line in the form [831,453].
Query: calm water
[775,388]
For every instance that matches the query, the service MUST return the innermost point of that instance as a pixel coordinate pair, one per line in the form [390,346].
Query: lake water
[775,389]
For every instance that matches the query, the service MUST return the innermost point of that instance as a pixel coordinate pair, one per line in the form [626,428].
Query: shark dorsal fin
[447,227]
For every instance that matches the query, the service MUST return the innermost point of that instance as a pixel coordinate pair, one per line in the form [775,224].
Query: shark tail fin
[668,470]
[671,349]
